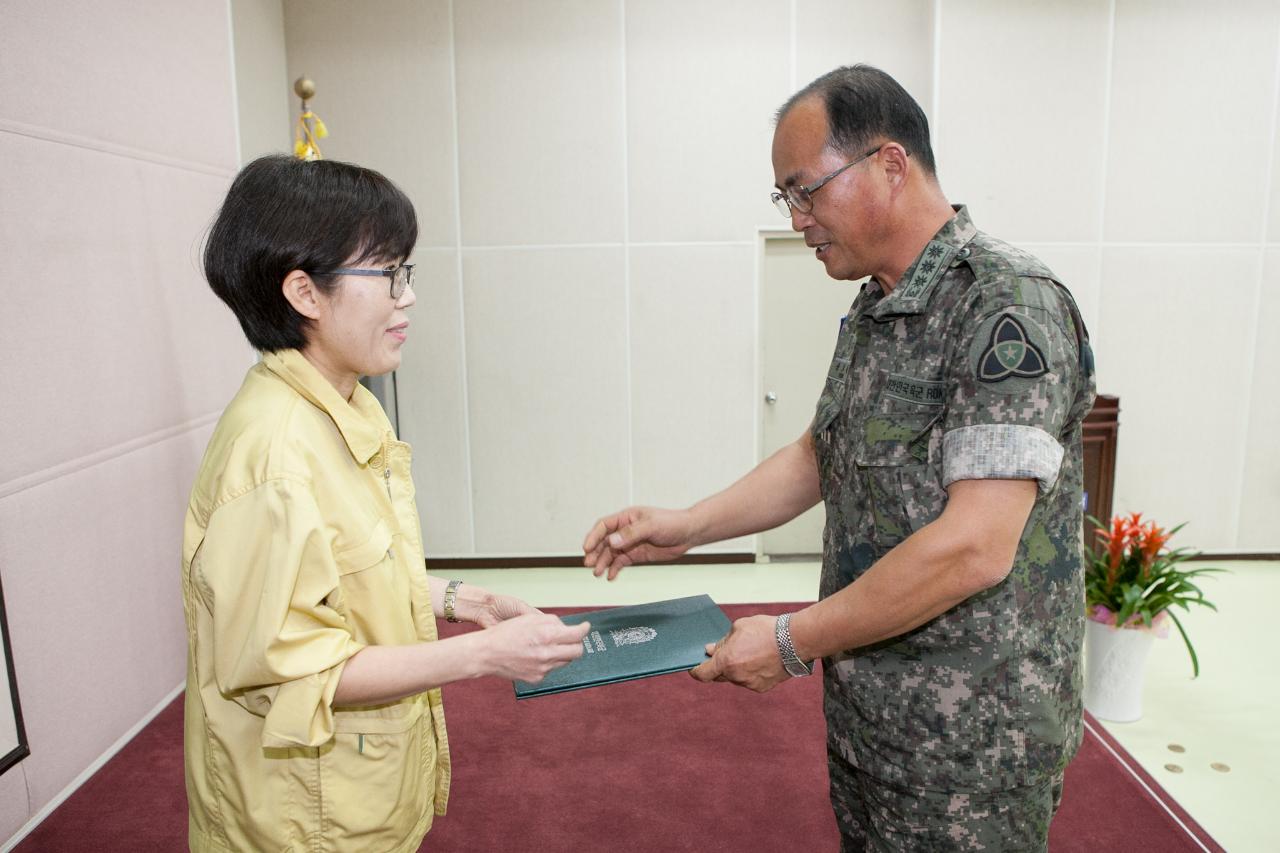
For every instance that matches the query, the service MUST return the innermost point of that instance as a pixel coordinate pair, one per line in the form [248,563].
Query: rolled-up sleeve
[265,570]
[1001,452]
[1010,388]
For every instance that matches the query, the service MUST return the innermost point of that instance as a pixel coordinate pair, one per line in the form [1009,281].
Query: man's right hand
[638,534]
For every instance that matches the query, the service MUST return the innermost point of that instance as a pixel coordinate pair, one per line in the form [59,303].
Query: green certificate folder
[638,641]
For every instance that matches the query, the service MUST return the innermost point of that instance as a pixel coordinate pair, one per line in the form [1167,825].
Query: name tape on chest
[924,392]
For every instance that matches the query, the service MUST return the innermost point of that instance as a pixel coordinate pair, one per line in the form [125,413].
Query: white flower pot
[1114,669]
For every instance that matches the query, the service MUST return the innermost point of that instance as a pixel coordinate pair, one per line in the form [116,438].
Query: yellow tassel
[305,146]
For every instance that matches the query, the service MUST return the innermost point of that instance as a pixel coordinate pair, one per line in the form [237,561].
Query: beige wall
[117,142]
[1108,173]
[592,178]
[264,100]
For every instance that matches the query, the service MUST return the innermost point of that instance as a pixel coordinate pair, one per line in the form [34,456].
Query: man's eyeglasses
[801,198]
[401,276]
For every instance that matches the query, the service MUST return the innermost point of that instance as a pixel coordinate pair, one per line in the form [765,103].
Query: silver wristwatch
[451,600]
[790,662]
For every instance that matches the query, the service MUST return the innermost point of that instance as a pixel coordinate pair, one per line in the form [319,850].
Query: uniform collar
[356,420]
[947,249]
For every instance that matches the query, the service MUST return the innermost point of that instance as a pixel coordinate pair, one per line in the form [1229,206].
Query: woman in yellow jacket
[313,712]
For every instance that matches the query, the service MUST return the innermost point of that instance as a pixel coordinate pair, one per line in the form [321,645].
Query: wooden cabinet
[1099,438]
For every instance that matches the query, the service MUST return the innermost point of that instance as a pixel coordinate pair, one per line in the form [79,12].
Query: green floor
[1227,717]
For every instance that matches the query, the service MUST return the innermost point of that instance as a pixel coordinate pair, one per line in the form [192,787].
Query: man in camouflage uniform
[946,446]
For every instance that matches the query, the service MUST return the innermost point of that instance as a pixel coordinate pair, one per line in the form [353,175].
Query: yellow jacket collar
[356,420]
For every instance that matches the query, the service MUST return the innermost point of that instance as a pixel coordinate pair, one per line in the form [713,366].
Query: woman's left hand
[487,609]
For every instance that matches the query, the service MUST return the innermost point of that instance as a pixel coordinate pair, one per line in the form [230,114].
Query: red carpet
[664,764]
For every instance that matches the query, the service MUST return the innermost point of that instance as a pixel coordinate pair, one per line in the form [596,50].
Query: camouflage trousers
[875,816]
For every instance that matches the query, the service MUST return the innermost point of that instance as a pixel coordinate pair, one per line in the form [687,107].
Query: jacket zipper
[386,478]
[386,469]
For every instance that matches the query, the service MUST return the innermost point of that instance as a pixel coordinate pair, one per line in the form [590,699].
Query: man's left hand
[748,656]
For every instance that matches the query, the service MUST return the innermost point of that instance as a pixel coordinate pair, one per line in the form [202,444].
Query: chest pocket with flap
[898,459]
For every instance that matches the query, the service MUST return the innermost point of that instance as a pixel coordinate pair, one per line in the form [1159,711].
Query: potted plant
[1132,582]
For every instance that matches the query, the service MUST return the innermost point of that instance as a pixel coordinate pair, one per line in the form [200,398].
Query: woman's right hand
[527,647]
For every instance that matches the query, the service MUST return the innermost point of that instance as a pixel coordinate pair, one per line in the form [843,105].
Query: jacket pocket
[898,459]
[357,558]
[382,782]
[373,593]
[897,438]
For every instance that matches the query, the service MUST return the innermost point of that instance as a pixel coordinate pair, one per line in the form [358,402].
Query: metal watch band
[790,661]
[451,600]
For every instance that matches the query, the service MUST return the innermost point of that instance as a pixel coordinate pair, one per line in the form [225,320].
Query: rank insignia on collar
[929,268]
[1010,352]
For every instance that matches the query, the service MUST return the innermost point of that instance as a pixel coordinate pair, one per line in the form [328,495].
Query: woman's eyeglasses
[401,276]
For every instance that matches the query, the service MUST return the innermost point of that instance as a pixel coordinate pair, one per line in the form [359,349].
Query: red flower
[1116,538]
[1152,541]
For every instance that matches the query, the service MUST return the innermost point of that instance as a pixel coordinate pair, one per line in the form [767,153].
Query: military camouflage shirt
[976,366]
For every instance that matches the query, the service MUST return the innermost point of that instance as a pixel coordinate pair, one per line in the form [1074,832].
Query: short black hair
[863,104]
[283,214]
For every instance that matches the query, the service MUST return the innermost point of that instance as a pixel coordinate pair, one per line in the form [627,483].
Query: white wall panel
[640,123]
[1272,214]
[155,76]
[383,87]
[263,88]
[92,586]
[895,37]
[431,397]
[540,118]
[1260,494]
[547,383]
[1193,89]
[1180,359]
[1022,114]
[112,331]
[693,371]
[699,150]
[1272,234]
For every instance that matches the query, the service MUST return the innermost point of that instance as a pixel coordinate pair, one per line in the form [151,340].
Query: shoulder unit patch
[1009,352]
